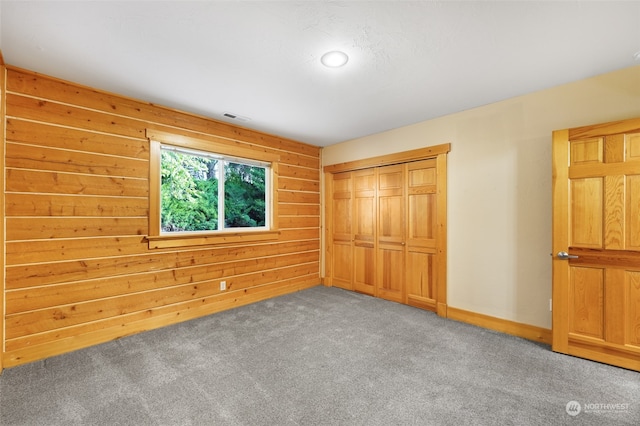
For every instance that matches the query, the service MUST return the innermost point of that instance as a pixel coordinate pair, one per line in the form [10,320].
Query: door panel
[365,268]
[391,272]
[365,217]
[420,285]
[342,264]
[633,147]
[365,230]
[614,205]
[391,230]
[391,204]
[421,234]
[342,260]
[586,213]
[586,151]
[596,217]
[587,295]
[632,239]
[422,216]
[632,319]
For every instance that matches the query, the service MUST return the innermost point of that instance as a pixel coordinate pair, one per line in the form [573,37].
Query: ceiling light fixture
[334,59]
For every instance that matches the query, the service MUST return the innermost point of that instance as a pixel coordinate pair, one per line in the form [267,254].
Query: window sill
[187,240]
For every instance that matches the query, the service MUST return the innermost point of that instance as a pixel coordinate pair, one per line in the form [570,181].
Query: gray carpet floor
[322,356]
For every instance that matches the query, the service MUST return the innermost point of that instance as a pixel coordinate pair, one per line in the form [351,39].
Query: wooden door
[421,234]
[342,232]
[364,231]
[596,221]
[391,229]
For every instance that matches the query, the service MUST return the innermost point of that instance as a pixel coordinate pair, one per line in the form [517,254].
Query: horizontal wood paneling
[38,346]
[38,86]
[51,135]
[3,73]
[31,204]
[285,196]
[79,118]
[34,298]
[25,228]
[312,174]
[298,222]
[299,210]
[18,180]
[22,156]
[79,270]
[298,184]
[60,316]
[40,274]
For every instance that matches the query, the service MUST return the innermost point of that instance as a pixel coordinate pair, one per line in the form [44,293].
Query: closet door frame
[437,152]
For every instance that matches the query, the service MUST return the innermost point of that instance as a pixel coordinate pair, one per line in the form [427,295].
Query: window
[204,192]
[200,191]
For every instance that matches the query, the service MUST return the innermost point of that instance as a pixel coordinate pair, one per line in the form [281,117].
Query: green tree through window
[206,192]
[244,196]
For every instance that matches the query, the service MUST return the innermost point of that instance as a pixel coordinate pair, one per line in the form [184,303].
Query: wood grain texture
[390,233]
[387,227]
[421,232]
[586,293]
[604,129]
[560,229]
[364,219]
[35,347]
[526,331]
[79,270]
[596,194]
[3,80]
[386,160]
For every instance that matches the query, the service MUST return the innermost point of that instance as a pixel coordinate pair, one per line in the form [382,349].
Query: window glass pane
[189,192]
[244,196]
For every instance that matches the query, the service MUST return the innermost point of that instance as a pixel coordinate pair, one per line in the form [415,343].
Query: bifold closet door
[364,219]
[342,232]
[387,227]
[391,233]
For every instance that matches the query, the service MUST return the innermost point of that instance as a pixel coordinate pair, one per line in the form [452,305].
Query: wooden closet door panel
[391,273]
[364,188]
[391,209]
[364,183]
[391,232]
[419,278]
[421,234]
[342,265]
[342,231]
[364,256]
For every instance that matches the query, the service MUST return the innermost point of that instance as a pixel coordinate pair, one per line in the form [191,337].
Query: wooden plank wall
[78,267]
[2,103]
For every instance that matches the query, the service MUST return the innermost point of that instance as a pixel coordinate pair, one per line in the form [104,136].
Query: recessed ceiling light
[334,59]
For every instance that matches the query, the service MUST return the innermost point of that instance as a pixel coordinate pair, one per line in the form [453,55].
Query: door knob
[565,255]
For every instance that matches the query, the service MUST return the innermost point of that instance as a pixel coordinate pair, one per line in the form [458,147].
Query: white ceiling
[409,61]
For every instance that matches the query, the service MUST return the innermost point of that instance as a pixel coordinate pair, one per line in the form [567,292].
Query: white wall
[499,195]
